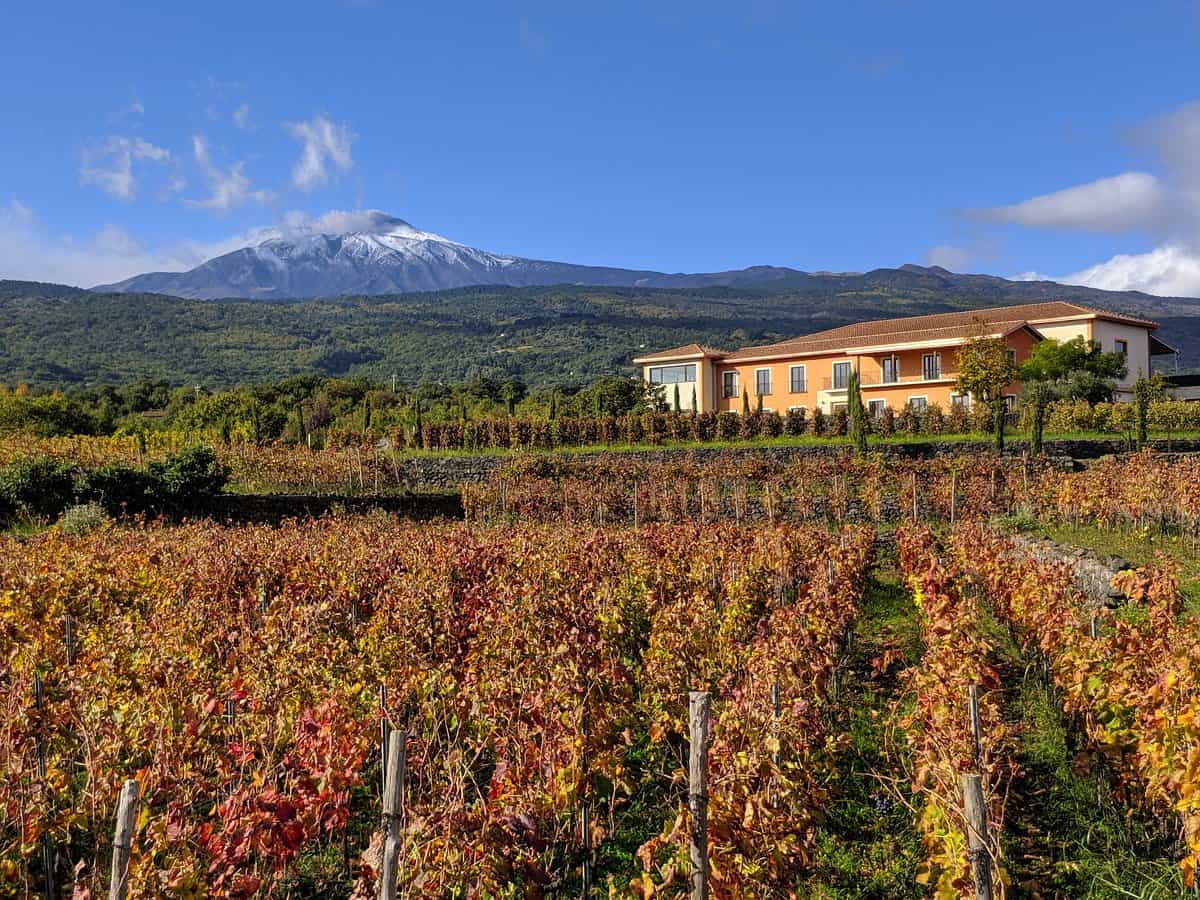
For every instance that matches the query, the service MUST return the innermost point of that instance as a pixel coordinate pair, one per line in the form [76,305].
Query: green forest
[562,337]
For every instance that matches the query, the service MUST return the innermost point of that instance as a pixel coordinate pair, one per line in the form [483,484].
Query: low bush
[41,490]
[82,518]
[36,488]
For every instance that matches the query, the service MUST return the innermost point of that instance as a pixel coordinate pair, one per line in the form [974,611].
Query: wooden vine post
[47,844]
[698,722]
[385,729]
[953,493]
[393,808]
[585,813]
[976,726]
[975,811]
[122,843]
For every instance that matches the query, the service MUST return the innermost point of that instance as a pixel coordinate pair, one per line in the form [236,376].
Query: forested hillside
[52,335]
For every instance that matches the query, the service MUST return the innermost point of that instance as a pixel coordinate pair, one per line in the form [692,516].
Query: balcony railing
[828,384]
[909,379]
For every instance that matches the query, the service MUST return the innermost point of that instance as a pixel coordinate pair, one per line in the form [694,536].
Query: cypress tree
[745,402]
[677,407]
[695,407]
[301,430]
[1037,394]
[554,406]
[759,407]
[858,418]
[1143,393]
[418,432]
[999,413]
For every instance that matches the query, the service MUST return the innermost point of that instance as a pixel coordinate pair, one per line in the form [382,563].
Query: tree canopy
[1074,369]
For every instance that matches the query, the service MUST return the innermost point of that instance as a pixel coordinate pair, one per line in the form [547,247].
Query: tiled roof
[687,351]
[939,326]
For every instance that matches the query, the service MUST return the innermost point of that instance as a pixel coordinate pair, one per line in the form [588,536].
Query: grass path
[867,847]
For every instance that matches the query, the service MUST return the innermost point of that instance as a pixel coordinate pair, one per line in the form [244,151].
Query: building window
[963,400]
[762,382]
[673,374]
[841,375]
[931,366]
[890,370]
[801,409]
[876,408]
[837,407]
[1012,356]
[918,404]
[798,380]
[1123,347]
[1010,400]
[729,384]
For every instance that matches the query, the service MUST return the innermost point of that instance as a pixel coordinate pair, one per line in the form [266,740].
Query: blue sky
[673,136]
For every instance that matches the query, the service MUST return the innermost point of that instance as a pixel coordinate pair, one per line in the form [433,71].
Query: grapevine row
[1133,683]
[941,731]
[237,674]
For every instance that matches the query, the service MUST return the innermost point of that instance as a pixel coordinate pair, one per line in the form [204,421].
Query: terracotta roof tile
[687,351]
[939,326]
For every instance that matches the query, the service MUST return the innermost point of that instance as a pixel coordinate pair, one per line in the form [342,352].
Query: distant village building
[901,362]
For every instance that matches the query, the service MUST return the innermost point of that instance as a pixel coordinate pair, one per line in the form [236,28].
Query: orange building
[905,361]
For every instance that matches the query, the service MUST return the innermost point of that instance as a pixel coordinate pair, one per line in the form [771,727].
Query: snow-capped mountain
[380,254]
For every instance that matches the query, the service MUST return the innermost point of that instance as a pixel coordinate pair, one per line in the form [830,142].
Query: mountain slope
[389,256]
[56,336]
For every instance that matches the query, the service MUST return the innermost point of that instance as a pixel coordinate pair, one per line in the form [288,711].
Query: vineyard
[832,678]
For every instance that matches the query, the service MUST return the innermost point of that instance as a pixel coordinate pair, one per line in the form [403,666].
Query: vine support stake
[118,882]
[975,811]
[585,812]
[976,727]
[39,698]
[1094,628]
[916,516]
[953,493]
[698,722]
[393,809]
[384,731]
[777,713]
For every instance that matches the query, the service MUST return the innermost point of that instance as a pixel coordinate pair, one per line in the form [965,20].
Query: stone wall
[1093,572]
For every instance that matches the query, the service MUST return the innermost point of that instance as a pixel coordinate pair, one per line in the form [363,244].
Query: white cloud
[241,116]
[338,221]
[948,257]
[1170,271]
[1122,203]
[1164,205]
[229,188]
[321,142]
[30,251]
[109,164]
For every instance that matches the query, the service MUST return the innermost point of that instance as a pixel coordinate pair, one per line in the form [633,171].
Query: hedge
[40,489]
